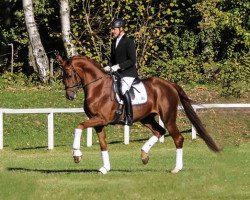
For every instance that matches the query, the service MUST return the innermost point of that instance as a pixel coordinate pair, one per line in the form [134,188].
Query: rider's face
[116,32]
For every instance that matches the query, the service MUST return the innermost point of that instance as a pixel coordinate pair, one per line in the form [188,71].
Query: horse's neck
[88,71]
[90,75]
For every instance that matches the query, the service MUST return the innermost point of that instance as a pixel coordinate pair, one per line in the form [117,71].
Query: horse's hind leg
[178,140]
[157,130]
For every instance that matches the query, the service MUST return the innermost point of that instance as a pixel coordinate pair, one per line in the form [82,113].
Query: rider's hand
[107,69]
[115,68]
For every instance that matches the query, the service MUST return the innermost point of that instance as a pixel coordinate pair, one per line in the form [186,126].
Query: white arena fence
[51,111]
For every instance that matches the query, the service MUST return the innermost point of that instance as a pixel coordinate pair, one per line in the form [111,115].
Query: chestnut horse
[100,106]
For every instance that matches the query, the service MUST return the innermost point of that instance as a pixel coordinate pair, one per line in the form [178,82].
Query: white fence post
[51,131]
[1,130]
[89,137]
[126,134]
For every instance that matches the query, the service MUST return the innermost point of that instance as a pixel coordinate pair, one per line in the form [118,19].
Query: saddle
[137,94]
[137,91]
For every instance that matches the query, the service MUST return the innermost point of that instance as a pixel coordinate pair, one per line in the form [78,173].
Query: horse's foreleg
[77,154]
[104,150]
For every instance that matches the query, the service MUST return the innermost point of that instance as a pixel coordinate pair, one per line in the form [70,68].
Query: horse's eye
[68,76]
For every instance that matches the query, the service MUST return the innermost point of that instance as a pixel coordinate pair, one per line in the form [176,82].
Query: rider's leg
[126,83]
[128,109]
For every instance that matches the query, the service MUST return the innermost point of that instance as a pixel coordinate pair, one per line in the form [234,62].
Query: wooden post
[12,57]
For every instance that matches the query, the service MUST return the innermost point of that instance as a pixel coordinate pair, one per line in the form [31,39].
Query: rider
[123,60]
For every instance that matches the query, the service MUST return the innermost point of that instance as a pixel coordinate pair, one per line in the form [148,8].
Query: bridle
[78,84]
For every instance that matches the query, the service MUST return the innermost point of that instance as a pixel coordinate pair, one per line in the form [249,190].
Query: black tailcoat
[124,55]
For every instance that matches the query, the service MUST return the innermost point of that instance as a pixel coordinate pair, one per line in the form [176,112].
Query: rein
[85,85]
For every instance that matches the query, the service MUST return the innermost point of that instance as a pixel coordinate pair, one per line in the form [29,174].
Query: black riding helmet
[118,23]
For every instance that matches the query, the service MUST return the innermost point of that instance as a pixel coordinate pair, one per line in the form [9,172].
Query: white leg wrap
[77,139]
[179,159]
[147,146]
[77,153]
[105,160]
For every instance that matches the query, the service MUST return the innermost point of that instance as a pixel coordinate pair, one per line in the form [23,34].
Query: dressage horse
[100,106]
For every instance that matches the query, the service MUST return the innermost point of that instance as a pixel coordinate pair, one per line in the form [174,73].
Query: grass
[41,174]
[29,171]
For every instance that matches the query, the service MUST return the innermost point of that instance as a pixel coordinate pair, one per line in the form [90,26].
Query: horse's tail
[195,120]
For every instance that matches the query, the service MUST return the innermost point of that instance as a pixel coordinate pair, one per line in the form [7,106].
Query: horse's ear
[59,59]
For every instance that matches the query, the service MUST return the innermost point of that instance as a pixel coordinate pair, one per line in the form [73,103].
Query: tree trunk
[39,53]
[65,23]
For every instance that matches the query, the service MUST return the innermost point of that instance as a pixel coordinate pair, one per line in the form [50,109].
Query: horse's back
[161,91]
[157,83]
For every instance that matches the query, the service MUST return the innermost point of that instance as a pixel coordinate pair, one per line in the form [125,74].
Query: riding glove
[107,69]
[114,68]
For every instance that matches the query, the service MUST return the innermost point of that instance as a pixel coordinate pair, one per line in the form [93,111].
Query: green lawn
[37,173]
[29,171]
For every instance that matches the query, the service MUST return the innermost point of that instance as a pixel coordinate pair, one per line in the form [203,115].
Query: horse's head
[71,80]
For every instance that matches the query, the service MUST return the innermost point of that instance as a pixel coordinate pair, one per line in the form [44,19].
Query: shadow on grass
[38,147]
[49,171]
[91,171]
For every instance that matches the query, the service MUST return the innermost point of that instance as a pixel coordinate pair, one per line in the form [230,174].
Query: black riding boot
[128,109]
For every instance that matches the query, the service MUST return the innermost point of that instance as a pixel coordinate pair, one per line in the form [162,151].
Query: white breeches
[126,83]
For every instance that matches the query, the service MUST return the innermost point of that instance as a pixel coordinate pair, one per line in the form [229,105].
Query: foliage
[183,41]
[234,76]
[15,79]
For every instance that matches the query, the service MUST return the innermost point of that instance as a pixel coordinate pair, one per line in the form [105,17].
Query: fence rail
[51,111]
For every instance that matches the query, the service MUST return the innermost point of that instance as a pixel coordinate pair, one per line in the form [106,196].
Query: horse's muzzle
[71,97]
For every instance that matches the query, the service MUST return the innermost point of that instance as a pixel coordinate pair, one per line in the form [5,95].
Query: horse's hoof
[103,170]
[77,155]
[175,171]
[144,157]
[77,159]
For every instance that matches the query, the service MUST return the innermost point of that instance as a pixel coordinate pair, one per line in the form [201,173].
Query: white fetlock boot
[77,154]
[179,161]
[146,147]
[106,164]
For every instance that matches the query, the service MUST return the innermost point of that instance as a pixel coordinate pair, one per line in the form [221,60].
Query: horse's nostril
[71,97]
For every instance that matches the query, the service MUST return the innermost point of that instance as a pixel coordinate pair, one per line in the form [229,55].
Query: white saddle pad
[140,94]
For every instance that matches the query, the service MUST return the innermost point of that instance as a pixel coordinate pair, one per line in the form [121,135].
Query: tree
[39,54]
[65,23]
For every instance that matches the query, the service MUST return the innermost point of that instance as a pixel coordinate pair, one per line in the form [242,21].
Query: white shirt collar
[118,39]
